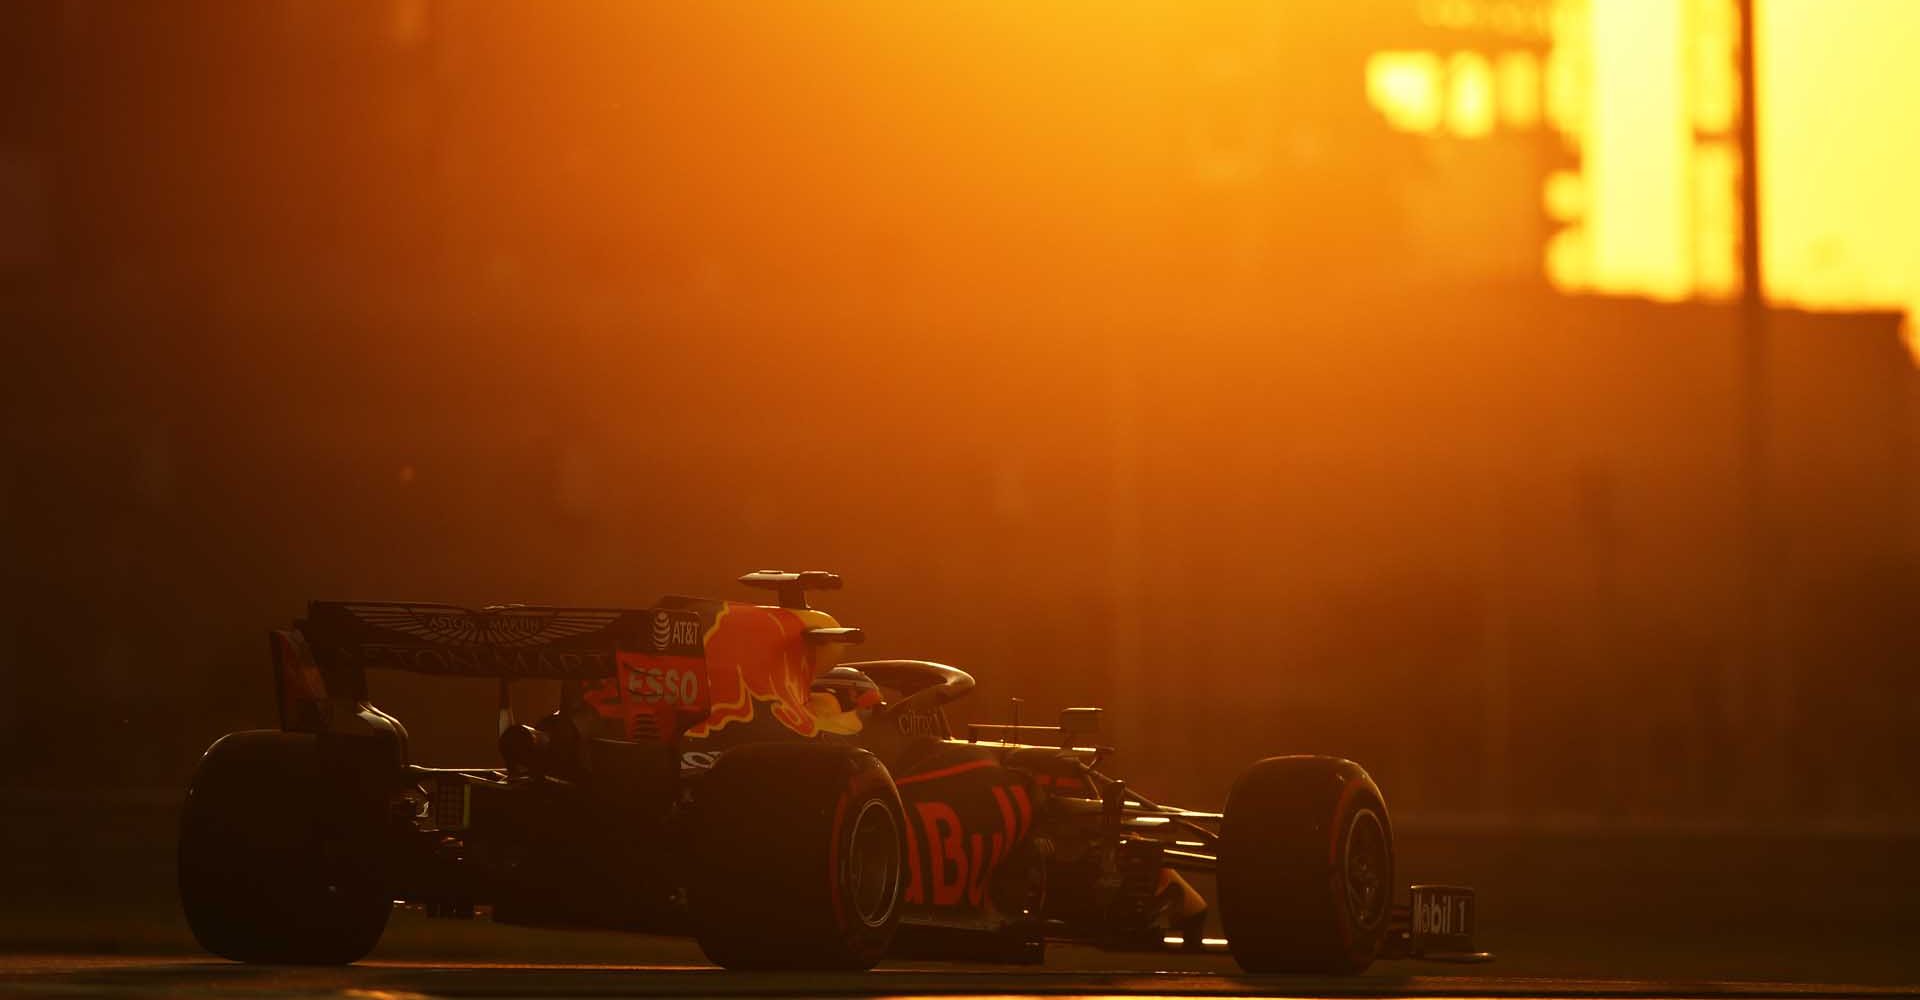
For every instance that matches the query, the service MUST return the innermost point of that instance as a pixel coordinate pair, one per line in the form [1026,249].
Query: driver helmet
[853,690]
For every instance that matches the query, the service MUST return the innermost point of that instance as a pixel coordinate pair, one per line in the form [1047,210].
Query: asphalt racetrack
[105,976]
[88,908]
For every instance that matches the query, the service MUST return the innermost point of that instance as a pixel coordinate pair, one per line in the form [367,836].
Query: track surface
[88,907]
[104,976]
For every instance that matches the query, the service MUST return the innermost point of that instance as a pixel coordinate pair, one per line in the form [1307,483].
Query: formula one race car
[713,770]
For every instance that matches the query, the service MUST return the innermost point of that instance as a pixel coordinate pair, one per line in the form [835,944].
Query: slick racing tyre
[799,851]
[262,876]
[1306,867]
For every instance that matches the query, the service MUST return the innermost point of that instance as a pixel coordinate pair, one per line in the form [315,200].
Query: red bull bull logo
[758,656]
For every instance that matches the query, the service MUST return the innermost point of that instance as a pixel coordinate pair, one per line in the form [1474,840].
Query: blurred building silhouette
[1199,359]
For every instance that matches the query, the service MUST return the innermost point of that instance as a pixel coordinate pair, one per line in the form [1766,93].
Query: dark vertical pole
[1750,290]
[1751,695]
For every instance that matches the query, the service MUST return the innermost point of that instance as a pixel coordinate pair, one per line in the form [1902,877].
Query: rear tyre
[800,851]
[263,877]
[1306,867]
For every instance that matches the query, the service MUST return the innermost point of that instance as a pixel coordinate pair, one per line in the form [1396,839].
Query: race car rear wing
[509,641]
[324,658]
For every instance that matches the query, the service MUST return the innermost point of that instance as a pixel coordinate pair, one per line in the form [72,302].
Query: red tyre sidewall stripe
[1336,872]
[859,785]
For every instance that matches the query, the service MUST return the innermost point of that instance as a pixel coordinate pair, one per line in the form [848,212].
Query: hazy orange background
[1337,376]
[1149,355]
[1840,209]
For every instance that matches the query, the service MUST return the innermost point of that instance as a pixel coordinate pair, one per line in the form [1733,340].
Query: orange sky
[1838,144]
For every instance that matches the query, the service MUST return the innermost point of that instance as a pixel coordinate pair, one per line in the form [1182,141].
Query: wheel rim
[873,863]
[1368,869]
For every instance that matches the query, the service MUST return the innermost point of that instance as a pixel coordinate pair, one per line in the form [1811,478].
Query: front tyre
[262,876]
[1306,867]
[799,851]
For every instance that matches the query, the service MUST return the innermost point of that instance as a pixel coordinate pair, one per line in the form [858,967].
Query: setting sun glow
[1840,212]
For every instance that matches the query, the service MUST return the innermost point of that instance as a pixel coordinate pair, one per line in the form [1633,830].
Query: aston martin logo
[510,627]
